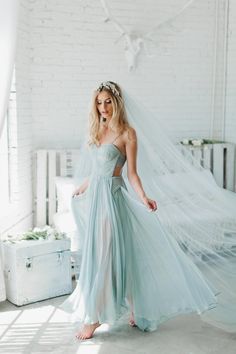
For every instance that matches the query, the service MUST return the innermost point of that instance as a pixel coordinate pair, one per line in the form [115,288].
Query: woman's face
[104,104]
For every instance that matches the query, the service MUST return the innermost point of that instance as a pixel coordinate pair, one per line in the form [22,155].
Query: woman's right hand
[78,191]
[81,189]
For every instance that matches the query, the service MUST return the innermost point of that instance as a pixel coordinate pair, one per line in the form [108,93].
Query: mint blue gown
[129,262]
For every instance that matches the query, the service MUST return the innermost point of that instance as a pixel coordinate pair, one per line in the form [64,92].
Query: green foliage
[45,233]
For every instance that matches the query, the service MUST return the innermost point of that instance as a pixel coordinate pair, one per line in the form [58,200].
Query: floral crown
[110,86]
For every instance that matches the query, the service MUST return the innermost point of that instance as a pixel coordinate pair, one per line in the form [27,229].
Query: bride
[134,258]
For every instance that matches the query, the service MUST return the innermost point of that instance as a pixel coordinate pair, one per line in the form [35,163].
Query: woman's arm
[84,158]
[82,188]
[134,179]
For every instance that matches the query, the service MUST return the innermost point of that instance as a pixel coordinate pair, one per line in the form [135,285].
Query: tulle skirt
[130,263]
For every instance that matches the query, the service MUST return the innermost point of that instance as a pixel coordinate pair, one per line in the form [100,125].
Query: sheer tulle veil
[192,209]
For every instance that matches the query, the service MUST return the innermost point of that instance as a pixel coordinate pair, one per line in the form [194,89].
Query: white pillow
[65,186]
[64,222]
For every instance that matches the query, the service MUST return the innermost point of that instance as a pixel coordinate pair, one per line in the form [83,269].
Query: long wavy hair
[118,123]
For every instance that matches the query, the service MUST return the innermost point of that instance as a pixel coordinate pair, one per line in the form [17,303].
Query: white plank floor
[43,328]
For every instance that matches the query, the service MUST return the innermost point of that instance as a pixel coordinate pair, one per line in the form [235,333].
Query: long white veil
[192,209]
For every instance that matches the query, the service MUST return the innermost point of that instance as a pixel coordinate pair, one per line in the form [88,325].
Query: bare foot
[131,320]
[87,331]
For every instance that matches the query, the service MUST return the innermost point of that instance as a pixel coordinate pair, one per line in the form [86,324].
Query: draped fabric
[193,209]
[8,29]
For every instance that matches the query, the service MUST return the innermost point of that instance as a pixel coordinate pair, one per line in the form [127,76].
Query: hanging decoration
[135,42]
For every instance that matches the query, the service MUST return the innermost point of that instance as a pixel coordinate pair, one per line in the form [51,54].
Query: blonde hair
[118,123]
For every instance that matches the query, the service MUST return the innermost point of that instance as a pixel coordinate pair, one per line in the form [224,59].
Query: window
[8,154]
[4,167]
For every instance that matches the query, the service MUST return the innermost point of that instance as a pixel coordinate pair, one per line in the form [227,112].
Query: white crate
[47,165]
[219,158]
[37,270]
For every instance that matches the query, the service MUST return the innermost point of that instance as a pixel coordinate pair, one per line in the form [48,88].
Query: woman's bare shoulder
[130,134]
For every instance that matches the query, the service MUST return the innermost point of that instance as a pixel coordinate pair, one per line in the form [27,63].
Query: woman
[129,263]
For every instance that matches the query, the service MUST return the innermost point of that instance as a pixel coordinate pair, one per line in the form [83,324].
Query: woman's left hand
[150,204]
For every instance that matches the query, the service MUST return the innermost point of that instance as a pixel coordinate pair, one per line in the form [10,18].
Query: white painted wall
[65,48]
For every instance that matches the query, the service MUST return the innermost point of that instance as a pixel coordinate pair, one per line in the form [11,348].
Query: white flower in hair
[110,86]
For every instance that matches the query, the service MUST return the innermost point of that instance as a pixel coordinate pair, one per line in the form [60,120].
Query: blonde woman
[128,263]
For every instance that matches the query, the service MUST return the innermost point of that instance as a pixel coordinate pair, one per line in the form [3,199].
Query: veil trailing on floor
[192,208]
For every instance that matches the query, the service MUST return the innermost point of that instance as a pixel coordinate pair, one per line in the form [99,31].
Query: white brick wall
[74,49]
